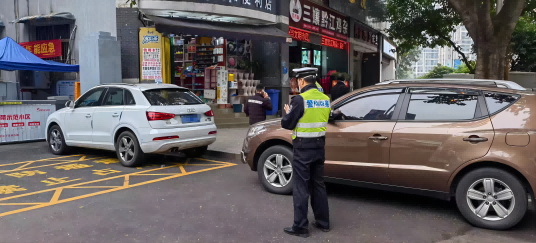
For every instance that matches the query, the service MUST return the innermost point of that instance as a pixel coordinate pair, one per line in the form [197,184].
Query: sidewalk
[229,140]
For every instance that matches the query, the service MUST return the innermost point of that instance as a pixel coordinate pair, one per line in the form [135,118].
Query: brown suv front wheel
[275,169]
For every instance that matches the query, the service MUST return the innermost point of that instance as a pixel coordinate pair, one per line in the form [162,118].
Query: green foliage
[405,60]
[523,45]
[132,3]
[438,72]
[424,23]
[464,69]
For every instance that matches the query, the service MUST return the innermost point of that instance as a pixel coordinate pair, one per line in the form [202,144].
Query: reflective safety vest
[314,121]
[319,87]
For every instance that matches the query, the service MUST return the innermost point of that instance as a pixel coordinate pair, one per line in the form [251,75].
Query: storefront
[366,58]
[320,40]
[215,48]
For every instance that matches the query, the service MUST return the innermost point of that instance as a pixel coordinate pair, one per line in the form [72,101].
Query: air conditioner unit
[34,80]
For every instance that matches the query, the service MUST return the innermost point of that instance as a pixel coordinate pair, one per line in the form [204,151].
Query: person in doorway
[257,105]
[340,89]
[307,117]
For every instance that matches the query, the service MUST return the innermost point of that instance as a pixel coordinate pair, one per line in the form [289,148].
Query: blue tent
[15,57]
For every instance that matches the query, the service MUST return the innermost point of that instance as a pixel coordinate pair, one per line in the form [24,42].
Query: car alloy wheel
[490,199]
[277,170]
[127,149]
[55,140]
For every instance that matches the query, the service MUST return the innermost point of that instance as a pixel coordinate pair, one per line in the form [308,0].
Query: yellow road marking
[77,187]
[56,195]
[125,183]
[84,183]
[41,160]
[157,174]
[182,169]
[22,166]
[82,159]
[17,169]
[219,162]
[16,204]
[107,191]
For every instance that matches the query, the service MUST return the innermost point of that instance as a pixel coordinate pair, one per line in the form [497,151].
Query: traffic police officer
[307,117]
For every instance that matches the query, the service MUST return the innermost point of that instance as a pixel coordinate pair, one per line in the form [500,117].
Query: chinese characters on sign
[365,35]
[313,17]
[333,43]
[151,65]
[298,34]
[17,117]
[43,49]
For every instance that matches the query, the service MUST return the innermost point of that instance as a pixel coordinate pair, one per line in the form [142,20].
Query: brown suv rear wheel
[491,198]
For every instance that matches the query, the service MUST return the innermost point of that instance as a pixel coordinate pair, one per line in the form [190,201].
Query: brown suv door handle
[378,138]
[475,140]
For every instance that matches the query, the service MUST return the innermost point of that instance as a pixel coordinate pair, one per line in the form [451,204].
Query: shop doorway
[303,54]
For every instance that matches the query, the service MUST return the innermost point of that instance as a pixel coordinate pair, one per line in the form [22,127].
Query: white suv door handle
[115,115]
[88,116]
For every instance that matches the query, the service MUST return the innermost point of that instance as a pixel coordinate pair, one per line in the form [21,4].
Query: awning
[46,17]
[219,29]
[15,57]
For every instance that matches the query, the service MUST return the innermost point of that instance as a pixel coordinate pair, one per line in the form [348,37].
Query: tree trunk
[492,66]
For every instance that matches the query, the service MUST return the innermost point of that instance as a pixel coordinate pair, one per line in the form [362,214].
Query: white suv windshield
[171,97]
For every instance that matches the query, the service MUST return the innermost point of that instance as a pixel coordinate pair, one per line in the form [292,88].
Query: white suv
[134,120]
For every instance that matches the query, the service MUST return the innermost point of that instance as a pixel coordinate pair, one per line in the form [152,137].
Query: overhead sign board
[267,6]
[318,19]
[365,34]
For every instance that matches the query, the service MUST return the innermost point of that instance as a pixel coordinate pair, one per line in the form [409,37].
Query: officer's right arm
[291,119]
[246,108]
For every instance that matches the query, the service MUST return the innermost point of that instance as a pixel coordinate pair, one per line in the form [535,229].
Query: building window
[53,32]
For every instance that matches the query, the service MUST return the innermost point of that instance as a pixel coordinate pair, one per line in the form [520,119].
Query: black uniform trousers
[308,173]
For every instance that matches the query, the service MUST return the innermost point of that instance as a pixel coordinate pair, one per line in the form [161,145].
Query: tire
[195,152]
[502,181]
[56,141]
[128,150]
[279,185]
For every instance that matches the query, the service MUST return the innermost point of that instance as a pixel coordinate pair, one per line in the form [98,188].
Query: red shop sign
[43,49]
[318,19]
[298,34]
[326,41]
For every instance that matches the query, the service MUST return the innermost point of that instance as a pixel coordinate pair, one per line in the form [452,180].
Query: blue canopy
[15,57]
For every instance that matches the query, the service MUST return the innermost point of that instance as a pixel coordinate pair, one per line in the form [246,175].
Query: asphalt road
[89,197]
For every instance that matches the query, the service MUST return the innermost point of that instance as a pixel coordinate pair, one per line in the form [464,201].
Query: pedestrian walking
[257,105]
[340,89]
[307,117]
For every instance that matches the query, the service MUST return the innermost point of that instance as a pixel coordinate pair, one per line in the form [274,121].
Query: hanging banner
[318,19]
[22,122]
[151,55]
[43,49]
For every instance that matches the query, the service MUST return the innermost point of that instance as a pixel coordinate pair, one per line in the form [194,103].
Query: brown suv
[465,140]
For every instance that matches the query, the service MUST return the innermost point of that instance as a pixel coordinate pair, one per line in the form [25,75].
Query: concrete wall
[128,26]
[91,16]
[389,70]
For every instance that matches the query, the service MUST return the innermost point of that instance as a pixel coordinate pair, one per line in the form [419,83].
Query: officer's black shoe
[297,232]
[316,225]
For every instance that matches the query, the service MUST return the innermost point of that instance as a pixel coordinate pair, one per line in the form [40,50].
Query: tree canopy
[428,23]
[523,45]
[405,61]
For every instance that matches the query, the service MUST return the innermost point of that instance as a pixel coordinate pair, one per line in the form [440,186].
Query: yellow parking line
[71,161]
[16,204]
[56,195]
[111,190]
[41,160]
[219,162]
[183,171]
[77,187]
[84,183]
[127,179]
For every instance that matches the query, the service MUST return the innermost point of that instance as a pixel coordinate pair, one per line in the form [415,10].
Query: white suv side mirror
[69,104]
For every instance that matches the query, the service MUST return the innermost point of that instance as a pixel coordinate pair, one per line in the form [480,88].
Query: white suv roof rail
[484,82]
[119,84]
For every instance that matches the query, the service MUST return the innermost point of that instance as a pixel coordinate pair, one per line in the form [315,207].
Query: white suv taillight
[209,113]
[155,116]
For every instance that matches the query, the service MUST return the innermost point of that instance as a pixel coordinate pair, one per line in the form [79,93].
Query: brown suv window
[498,101]
[376,107]
[442,104]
